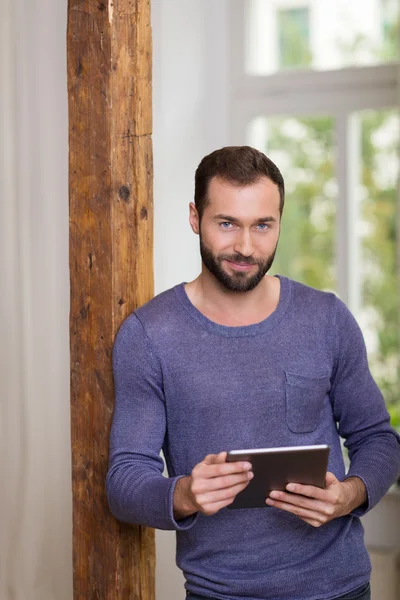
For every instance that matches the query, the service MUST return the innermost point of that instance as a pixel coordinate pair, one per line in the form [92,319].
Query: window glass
[319,34]
[303,149]
[294,38]
[377,227]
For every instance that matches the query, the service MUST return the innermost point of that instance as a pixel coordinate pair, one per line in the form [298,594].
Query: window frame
[338,93]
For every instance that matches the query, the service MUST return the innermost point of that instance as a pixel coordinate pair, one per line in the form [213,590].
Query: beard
[239,281]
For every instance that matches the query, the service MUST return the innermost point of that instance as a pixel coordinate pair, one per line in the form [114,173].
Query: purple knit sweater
[192,387]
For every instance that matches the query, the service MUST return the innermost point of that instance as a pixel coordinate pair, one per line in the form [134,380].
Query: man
[240,359]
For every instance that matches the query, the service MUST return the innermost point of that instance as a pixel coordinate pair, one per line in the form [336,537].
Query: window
[390,24]
[319,34]
[378,239]
[304,149]
[335,134]
[294,38]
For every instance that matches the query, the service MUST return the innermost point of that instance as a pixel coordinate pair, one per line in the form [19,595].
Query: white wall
[190,101]
[191,119]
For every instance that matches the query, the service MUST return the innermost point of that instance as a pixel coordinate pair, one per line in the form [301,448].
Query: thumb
[330,479]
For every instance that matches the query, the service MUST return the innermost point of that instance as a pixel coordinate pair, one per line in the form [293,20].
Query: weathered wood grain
[111,269]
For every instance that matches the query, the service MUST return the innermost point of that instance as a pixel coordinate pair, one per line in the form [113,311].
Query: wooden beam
[111,269]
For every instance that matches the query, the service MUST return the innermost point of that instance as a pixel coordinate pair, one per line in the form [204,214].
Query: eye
[226,225]
[263,226]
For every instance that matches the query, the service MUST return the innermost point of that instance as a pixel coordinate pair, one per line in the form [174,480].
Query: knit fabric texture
[191,387]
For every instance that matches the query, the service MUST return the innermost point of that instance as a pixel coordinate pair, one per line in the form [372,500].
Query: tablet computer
[274,468]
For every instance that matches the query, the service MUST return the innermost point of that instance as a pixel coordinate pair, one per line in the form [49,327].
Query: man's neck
[233,309]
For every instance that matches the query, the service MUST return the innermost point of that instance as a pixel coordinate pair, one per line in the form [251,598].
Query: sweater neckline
[243,330]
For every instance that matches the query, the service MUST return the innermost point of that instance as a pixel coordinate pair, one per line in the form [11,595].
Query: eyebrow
[234,220]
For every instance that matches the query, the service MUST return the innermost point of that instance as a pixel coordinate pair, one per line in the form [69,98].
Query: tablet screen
[274,468]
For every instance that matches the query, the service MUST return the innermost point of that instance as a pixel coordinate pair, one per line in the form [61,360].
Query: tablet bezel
[274,468]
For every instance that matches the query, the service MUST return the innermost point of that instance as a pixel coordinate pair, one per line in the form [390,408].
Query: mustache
[239,258]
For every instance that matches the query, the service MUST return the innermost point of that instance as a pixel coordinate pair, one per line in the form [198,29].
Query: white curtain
[35,471]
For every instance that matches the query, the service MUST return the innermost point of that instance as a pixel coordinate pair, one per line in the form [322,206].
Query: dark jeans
[361,593]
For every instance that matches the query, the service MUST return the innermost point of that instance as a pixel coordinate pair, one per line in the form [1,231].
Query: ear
[194,218]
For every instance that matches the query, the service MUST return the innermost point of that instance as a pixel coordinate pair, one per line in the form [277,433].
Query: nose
[244,243]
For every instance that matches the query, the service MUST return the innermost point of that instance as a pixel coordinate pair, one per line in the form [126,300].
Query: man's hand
[213,484]
[317,506]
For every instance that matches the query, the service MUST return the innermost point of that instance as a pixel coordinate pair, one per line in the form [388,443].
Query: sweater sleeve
[137,491]
[360,411]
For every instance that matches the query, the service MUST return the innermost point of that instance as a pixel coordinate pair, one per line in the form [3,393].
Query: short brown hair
[239,165]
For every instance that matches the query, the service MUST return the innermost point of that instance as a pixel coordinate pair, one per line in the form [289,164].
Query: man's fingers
[214,459]
[210,468]
[312,522]
[303,513]
[316,506]
[330,479]
[215,482]
[220,483]
[214,507]
[313,491]
[213,502]
[310,491]
[313,505]
[221,495]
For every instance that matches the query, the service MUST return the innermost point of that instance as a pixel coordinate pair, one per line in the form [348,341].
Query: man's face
[239,232]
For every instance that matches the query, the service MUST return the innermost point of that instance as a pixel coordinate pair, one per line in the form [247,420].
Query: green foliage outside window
[306,250]
[381,274]
[304,148]
[294,24]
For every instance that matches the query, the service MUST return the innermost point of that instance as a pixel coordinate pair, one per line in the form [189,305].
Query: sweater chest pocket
[304,401]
